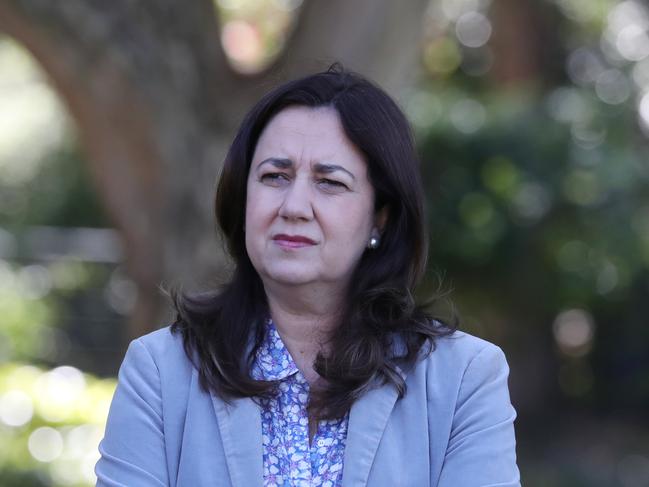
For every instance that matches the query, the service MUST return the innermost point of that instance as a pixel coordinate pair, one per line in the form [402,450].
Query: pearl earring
[374,243]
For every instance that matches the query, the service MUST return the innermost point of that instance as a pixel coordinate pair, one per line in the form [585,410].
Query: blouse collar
[273,361]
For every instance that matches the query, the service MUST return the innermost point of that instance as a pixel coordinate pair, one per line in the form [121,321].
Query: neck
[305,318]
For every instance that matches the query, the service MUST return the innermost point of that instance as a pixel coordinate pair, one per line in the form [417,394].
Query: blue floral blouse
[289,460]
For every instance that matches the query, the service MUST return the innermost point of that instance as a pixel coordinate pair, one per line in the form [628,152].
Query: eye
[331,184]
[274,178]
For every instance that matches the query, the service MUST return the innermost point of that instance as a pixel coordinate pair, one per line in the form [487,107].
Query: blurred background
[532,119]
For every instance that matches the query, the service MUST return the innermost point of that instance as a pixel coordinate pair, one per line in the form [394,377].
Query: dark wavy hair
[381,329]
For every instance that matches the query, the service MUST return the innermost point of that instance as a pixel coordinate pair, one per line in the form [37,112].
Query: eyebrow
[278,162]
[283,163]
[329,168]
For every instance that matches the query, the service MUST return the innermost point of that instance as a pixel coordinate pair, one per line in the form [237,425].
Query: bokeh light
[584,65]
[607,278]
[643,110]
[583,187]
[45,444]
[627,12]
[640,75]
[612,87]
[121,292]
[253,33]
[569,105]
[473,29]
[288,5]
[34,281]
[531,202]
[633,42]
[442,56]
[33,424]
[16,408]
[453,9]
[423,109]
[476,209]
[59,393]
[468,115]
[242,43]
[32,119]
[574,331]
[501,176]
[588,136]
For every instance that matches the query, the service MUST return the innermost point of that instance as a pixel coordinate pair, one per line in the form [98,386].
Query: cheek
[253,208]
[251,228]
[258,220]
[354,228]
[253,223]
[253,234]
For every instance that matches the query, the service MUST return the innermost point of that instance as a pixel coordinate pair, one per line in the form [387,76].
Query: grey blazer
[453,428]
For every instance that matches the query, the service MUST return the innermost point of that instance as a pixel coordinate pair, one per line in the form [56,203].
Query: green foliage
[539,194]
[538,197]
[524,184]
[59,194]
[24,327]
[51,419]
[35,302]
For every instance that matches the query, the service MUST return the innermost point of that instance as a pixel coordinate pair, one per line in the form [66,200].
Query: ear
[381,219]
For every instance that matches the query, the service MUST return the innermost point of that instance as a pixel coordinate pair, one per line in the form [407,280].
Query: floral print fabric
[289,460]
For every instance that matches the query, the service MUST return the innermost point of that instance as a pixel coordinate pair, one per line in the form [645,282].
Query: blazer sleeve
[133,448]
[482,447]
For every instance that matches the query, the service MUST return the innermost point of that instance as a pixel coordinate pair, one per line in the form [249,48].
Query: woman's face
[310,205]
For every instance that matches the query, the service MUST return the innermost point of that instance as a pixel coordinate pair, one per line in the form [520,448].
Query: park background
[532,120]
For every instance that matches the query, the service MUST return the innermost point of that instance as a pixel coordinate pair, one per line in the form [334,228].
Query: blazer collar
[240,428]
[368,418]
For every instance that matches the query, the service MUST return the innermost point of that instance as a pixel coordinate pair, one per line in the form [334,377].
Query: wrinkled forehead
[301,133]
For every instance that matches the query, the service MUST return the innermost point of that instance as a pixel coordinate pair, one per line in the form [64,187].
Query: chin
[292,277]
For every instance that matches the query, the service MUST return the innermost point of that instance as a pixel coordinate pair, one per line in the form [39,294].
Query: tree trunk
[156,104]
[526,48]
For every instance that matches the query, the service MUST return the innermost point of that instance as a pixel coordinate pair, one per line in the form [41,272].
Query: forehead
[312,134]
[305,120]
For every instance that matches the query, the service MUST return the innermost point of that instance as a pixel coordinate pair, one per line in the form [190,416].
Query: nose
[297,204]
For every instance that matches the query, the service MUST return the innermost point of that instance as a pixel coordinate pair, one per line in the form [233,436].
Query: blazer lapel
[240,428]
[368,418]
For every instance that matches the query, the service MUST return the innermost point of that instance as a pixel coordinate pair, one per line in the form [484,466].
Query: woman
[313,365]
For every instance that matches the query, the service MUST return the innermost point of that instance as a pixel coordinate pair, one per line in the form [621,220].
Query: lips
[293,241]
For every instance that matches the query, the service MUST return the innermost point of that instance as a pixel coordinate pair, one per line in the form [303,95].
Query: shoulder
[146,422]
[460,362]
[160,343]
[159,356]
[460,349]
